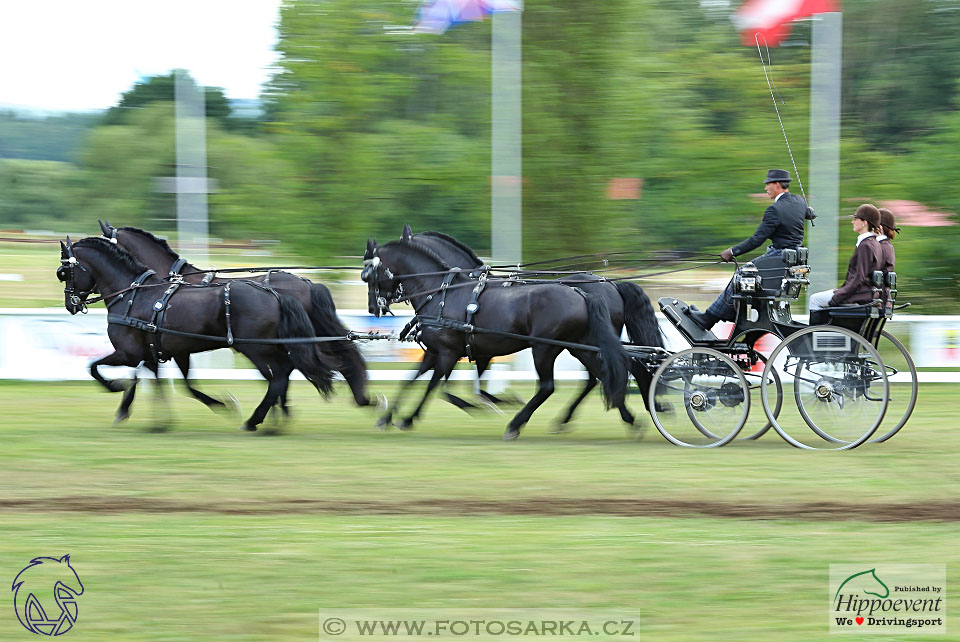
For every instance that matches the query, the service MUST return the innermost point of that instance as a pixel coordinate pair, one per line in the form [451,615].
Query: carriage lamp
[748,279]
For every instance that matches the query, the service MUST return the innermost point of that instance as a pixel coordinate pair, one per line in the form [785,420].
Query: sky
[83,54]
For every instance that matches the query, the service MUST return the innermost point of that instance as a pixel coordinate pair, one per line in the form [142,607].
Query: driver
[782,224]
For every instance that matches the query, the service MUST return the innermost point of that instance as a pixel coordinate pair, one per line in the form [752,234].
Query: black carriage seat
[779,276]
[857,316]
[676,312]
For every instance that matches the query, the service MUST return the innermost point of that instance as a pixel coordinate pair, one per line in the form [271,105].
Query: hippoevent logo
[45,595]
[888,598]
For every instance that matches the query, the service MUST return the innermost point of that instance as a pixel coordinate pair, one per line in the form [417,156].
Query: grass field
[204,532]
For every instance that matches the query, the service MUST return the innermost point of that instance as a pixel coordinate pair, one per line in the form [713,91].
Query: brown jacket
[889,256]
[858,286]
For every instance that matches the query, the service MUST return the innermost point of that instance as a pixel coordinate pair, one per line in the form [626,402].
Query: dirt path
[943,511]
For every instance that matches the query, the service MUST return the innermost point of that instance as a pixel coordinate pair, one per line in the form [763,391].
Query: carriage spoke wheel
[699,398]
[902,376]
[755,380]
[839,385]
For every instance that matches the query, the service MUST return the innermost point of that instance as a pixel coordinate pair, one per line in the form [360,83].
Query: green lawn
[207,532]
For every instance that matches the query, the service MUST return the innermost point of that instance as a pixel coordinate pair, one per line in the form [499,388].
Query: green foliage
[36,194]
[255,188]
[368,127]
[54,138]
[162,89]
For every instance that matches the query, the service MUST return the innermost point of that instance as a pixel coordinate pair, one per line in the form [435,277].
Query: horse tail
[638,315]
[613,358]
[294,323]
[326,323]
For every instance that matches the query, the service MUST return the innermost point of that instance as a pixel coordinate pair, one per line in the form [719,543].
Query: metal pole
[191,181]
[825,76]
[506,219]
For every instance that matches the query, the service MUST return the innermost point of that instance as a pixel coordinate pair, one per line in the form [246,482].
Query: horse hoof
[230,404]
[120,418]
[486,404]
[404,424]
[383,422]
[559,429]
[247,428]
[511,434]
[159,428]
[664,407]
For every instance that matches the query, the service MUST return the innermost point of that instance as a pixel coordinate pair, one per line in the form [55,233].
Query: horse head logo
[866,582]
[45,595]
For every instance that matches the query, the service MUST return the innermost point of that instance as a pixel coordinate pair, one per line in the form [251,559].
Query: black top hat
[777,176]
[888,220]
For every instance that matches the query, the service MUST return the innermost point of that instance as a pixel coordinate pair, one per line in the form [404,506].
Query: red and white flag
[771,18]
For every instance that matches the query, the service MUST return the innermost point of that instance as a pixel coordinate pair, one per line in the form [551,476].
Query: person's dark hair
[784,184]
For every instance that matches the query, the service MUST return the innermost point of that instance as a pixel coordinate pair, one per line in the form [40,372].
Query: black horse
[627,302]
[315,298]
[550,314]
[245,310]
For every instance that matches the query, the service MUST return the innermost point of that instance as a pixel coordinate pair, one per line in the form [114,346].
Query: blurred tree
[56,138]
[385,128]
[37,194]
[161,89]
[254,186]
[899,67]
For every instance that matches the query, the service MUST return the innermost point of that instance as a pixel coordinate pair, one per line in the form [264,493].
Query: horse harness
[154,327]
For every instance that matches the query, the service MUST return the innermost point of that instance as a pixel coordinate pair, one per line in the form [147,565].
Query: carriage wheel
[712,393]
[755,381]
[902,375]
[840,387]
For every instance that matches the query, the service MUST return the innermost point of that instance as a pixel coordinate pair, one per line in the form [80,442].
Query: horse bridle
[67,274]
[374,271]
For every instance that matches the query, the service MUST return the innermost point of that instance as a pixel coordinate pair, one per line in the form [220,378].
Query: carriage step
[676,311]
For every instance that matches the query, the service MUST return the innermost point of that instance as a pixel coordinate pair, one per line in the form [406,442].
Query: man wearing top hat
[867,258]
[782,225]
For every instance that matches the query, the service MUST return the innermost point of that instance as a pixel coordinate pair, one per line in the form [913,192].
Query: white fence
[50,344]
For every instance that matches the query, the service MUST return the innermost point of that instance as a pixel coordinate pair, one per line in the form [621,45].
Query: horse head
[78,281]
[381,286]
[386,266]
[45,582]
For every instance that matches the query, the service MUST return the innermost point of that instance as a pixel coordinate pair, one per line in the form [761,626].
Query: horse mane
[413,245]
[117,252]
[458,244]
[159,241]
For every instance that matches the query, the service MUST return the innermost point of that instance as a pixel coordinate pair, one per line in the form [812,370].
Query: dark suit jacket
[782,223]
[858,286]
[889,256]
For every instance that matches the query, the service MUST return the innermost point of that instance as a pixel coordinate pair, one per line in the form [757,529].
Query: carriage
[848,375]
[852,381]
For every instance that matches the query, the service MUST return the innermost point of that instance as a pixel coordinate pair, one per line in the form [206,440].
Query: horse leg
[591,362]
[427,363]
[461,403]
[587,389]
[444,366]
[354,371]
[183,362]
[544,356]
[162,420]
[488,398]
[112,359]
[123,412]
[276,384]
